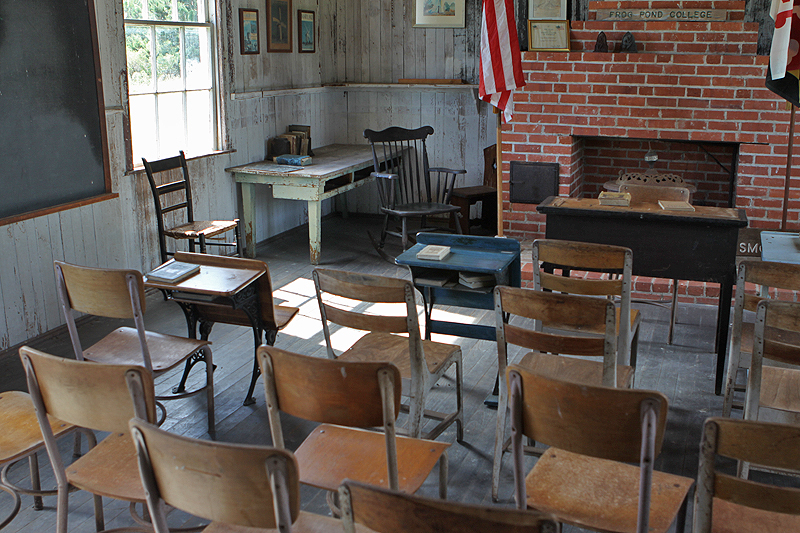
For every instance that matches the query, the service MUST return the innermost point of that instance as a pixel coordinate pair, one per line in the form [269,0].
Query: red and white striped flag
[501,60]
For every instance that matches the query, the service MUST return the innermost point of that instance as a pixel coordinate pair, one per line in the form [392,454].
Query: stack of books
[476,281]
[173,272]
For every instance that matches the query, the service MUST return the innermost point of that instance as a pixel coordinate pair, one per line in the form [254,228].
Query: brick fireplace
[694,94]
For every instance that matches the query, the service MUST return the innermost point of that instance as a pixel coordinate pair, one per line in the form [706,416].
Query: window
[171,82]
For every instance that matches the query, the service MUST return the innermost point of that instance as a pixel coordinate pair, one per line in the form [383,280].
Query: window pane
[187,11]
[160,10]
[198,58]
[143,131]
[168,59]
[171,124]
[132,9]
[137,49]
[200,121]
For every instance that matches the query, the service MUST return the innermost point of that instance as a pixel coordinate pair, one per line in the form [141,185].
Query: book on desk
[173,272]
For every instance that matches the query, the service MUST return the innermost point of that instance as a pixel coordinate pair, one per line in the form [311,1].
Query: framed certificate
[548,35]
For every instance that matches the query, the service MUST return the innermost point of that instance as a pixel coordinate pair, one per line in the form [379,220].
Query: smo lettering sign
[692,15]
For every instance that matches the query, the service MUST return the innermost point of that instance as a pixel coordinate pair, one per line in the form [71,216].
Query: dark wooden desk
[479,255]
[698,245]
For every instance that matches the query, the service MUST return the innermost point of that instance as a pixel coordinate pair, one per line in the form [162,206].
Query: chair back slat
[364,287]
[216,481]
[91,395]
[762,443]
[387,511]
[780,275]
[550,343]
[329,391]
[755,495]
[101,292]
[601,422]
[583,314]
[751,302]
[598,287]
[582,255]
[784,319]
[364,322]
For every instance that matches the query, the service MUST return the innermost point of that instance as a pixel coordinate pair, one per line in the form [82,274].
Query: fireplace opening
[709,166]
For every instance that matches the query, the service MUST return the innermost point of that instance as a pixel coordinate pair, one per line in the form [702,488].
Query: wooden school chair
[345,397]
[98,397]
[726,503]
[394,339]
[766,276]
[270,320]
[233,485]
[594,318]
[21,438]
[407,186]
[584,478]
[386,511]
[176,195]
[616,262]
[115,293]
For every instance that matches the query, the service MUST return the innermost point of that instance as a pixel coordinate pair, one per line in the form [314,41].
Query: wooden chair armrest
[450,170]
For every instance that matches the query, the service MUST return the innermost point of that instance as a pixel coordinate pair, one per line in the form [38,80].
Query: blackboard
[53,148]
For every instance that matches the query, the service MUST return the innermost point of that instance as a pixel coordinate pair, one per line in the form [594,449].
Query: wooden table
[336,168]
[699,245]
[216,286]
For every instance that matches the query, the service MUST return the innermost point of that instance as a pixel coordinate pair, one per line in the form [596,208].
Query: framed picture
[279,26]
[547,9]
[306,33]
[248,31]
[439,13]
[548,35]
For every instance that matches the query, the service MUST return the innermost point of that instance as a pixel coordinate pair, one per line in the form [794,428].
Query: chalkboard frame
[103,137]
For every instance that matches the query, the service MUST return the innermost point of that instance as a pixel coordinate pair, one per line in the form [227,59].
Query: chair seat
[474,193]
[109,469]
[394,349]
[121,346]
[780,388]
[207,228]
[420,209]
[21,434]
[601,494]
[576,370]
[732,518]
[306,523]
[331,454]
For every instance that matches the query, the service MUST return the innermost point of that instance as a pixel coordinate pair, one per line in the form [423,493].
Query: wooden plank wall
[359,41]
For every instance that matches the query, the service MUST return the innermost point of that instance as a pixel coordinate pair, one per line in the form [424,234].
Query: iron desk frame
[699,245]
[499,257]
[239,292]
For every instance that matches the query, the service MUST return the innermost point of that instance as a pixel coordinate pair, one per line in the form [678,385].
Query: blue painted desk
[497,256]
[780,247]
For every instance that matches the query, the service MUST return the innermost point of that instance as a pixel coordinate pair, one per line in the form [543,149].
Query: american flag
[501,60]
[784,57]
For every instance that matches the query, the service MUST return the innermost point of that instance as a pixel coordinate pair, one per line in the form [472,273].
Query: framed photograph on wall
[306,32]
[548,35]
[248,31]
[439,13]
[547,9]
[279,26]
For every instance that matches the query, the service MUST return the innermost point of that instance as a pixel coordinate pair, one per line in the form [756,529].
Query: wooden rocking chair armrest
[384,175]
[450,170]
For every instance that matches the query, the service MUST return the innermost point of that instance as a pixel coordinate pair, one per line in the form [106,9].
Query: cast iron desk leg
[721,343]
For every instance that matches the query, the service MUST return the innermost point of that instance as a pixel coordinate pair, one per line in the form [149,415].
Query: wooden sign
[683,15]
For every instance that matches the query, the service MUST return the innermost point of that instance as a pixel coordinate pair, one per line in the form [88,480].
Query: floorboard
[682,371]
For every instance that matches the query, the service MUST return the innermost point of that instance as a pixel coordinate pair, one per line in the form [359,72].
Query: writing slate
[52,123]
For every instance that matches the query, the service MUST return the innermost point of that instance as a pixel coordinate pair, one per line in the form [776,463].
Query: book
[615,198]
[433,252]
[476,281]
[675,205]
[433,280]
[287,159]
[173,272]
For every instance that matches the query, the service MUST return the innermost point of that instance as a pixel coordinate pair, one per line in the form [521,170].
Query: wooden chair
[176,195]
[614,261]
[765,275]
[723,502]
[407,186]
[97,397]
[422,363]
[21,438]
[119,294]
[464,197]
[233,485]
[583,478]
[592,317]
[270,320]
[344,397]
[386,511]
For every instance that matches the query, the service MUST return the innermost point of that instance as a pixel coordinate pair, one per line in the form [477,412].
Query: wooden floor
[683,372]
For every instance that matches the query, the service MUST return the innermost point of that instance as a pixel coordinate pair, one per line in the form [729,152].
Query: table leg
[249,218]
[721,342]
[315,230]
